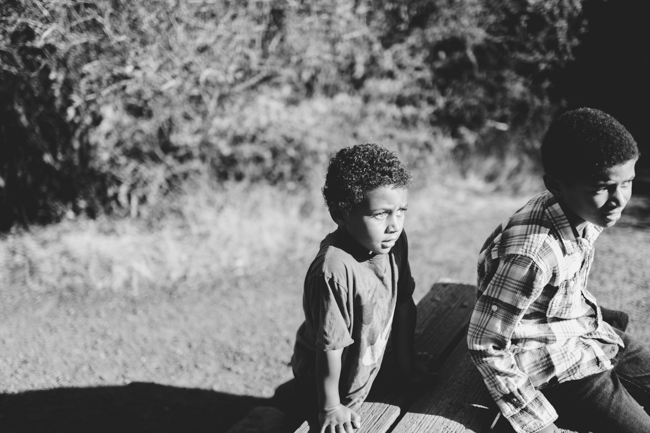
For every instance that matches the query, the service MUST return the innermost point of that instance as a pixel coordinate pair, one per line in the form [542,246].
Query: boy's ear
[338,216]
[553,184]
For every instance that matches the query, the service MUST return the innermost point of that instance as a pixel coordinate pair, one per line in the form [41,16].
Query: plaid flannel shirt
[534,323]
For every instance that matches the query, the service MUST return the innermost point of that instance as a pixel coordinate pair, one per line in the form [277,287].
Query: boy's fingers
[356,420]
[328,428]
[348,427]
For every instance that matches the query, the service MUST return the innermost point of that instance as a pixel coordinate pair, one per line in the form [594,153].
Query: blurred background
[161,165]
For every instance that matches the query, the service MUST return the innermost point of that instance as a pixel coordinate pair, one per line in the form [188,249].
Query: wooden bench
[459,402]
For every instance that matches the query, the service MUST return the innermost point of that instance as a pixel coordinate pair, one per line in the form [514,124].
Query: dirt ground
[201,360]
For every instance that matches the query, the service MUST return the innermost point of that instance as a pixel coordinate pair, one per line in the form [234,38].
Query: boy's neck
[578,225]
[357,249]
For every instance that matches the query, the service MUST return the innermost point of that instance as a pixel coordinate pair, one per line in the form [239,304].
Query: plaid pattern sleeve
[534,322]
[517,282]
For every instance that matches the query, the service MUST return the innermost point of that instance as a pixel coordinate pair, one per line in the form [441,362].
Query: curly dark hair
[585,142]
[355,170]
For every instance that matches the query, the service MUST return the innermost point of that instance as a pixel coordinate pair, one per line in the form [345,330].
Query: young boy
[536,334]
[357,289]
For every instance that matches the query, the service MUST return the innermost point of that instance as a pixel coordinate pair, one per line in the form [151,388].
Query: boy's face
[600,199]
[378,221]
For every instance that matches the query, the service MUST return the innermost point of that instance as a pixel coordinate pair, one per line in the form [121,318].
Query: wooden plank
[460,403]
[442,315]
[376,418]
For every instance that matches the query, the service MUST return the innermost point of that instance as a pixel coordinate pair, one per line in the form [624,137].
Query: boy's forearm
[530,410]
[404,335]
[328,372]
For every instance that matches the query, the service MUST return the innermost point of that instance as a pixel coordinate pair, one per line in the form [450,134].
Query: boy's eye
[380,216]
[604,187]
[612,188]
[401,211]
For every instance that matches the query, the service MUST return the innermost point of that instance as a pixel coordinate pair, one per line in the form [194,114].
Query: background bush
[109,106]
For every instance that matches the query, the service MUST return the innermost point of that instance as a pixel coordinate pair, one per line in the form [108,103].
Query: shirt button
[494,308]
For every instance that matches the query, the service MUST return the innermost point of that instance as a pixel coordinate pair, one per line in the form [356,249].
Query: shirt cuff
[528,412]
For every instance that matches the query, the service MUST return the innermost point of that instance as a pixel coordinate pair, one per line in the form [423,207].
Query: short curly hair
[353,171]
[585,142]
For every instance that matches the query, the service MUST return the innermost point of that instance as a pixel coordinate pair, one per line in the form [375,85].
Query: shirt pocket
[568,302]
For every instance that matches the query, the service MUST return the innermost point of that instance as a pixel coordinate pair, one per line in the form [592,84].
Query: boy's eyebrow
[600,179]
[388,207]
[607,180]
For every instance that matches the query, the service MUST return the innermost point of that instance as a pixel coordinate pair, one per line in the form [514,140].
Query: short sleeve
[330,307]
[406,283]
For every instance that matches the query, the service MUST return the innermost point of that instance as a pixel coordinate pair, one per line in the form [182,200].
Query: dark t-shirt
[349,301]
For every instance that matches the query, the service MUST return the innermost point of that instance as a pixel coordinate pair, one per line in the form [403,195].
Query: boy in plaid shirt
[536,334]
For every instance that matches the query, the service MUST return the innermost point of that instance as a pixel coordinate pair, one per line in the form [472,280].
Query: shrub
[110,105]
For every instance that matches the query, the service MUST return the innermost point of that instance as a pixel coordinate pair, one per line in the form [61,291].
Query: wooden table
[459,402]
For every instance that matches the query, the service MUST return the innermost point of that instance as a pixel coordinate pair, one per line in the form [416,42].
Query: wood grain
[442,315]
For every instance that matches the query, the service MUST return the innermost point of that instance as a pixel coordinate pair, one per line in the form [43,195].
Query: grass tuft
[206,235]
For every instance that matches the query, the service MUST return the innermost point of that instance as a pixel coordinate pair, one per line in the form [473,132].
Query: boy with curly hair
[537,335]
[357,290]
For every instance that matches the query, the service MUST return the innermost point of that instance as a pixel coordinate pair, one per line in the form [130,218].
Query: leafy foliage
[110,105]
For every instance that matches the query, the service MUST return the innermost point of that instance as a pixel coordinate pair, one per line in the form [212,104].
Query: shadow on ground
[137,407]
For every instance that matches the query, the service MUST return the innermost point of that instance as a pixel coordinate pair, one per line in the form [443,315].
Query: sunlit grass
[196,238]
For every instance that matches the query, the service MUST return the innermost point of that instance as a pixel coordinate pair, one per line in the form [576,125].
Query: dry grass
[204,234]
[209,297]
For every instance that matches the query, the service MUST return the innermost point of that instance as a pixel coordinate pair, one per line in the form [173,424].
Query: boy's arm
[409,366]
[403,328]
[517,282]
[331,412]
[404,336]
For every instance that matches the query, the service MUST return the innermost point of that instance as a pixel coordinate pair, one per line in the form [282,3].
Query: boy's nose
[619,196]
[394,224]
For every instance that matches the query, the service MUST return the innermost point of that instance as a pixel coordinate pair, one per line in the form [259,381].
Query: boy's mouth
[613,213]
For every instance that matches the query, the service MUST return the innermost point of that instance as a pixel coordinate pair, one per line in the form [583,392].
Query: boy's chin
[381,249]
[609,223]
[606,222]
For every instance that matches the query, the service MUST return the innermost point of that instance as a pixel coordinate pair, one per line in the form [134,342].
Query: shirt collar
[350,245]
[561,224]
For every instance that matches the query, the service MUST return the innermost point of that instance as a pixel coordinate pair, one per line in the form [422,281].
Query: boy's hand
[550,429]
[337,419]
